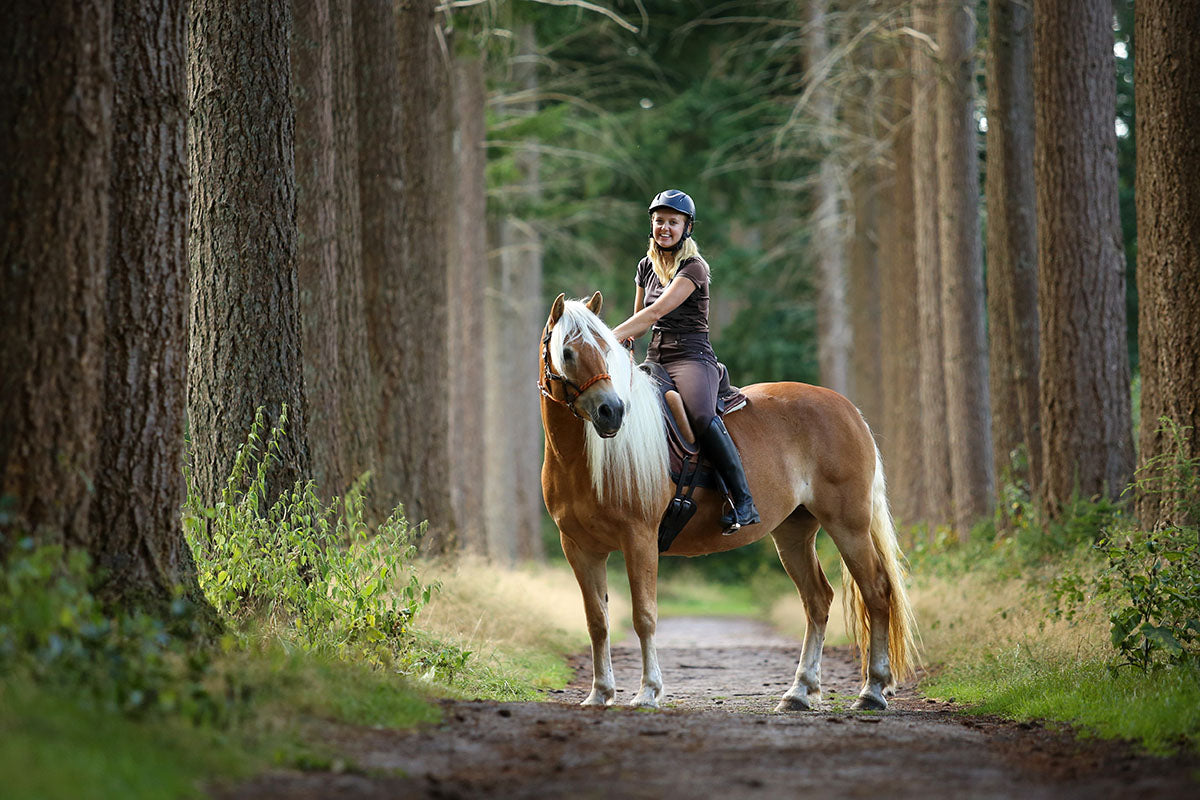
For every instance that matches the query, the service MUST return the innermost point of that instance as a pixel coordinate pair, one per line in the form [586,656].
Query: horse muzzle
[606,412]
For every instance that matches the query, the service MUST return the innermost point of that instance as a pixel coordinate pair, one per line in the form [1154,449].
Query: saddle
[687,467]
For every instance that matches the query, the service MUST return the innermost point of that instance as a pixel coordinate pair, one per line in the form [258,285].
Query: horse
[811,463]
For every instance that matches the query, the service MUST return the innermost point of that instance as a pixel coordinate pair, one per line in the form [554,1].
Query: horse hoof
[870,702]
[799,703]
[596,700]
[645,699]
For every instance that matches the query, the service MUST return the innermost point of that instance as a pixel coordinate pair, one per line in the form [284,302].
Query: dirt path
[718,737]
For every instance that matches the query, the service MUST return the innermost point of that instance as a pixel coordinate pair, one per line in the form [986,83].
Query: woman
[672,301]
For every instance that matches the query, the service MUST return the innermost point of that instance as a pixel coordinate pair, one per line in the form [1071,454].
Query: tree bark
[1084,373]
[966,368]
[1012,240]
[935,441]
[866,380]
[829,235]
[515,314]
[139,543]
[360,441]
[422,409]
[468,279]
[899,307]
[56,88]
[1167,84]
[316,246]
[381,200]
[245,343]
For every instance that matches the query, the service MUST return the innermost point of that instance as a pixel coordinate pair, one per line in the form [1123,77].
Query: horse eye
[568,354]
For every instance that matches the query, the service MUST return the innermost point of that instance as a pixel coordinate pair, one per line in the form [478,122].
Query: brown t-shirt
[690,316]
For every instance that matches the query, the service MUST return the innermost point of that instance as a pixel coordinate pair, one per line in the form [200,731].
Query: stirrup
[735,526]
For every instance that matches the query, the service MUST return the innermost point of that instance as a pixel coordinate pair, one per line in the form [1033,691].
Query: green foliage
[337,586]
[1149,580]
[1155,575]
[55,632]
[1156,579]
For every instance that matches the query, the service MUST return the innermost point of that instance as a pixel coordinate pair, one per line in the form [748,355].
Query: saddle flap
[675,404]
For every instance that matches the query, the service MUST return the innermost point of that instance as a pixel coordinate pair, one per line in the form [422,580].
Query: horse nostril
[605,411]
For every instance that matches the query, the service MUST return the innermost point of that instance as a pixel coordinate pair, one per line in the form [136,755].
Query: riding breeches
[692,365]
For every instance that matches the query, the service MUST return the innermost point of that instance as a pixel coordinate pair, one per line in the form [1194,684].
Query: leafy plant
[1156,574]
[314,566]
[55,632]
[1149,580]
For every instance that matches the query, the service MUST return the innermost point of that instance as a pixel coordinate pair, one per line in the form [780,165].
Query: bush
[54,632]
[313,566]
[1149,580]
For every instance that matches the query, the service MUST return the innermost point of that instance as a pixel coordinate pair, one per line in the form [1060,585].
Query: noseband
[567,384]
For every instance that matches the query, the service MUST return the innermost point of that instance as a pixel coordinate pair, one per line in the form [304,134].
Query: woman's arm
[644,318]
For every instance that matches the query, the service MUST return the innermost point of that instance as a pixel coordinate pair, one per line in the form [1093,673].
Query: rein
[567,383]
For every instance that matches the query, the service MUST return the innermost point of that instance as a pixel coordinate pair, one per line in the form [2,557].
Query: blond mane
[630,467]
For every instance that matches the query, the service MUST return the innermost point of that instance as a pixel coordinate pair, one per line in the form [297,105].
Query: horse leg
[796,541]
[590,572]
[859,555]
[641,561]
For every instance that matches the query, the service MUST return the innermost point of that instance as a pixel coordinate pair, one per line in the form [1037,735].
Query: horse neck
[565,436]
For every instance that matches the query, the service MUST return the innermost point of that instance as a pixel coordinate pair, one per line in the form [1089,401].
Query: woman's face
[667,227]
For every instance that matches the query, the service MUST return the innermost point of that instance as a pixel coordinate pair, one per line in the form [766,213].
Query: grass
[998,647]
[517,625]
[1159,710]
[54,742]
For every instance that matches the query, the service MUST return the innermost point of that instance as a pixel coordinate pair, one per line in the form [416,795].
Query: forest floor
[718,736]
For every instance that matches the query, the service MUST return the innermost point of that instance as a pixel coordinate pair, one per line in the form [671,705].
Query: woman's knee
[701,420]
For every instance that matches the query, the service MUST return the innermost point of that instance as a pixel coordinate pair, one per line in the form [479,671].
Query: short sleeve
[696,271]
[642,274]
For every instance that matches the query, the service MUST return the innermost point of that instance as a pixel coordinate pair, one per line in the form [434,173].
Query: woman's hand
[643,319]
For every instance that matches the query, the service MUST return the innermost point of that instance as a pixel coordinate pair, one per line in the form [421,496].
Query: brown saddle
[688,467]
[680,436]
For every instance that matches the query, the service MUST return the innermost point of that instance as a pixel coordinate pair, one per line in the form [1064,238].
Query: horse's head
[583,365]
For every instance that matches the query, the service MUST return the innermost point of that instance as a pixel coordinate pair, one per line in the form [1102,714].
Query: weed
[339,587]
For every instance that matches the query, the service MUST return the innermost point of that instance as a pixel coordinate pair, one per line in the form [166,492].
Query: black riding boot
[721,451]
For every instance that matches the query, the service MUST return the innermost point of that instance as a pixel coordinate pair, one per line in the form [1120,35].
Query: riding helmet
[676,201]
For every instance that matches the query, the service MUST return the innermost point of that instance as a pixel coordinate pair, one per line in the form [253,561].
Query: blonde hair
[665,263]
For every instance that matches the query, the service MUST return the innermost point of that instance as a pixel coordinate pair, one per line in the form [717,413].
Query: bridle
[568,385]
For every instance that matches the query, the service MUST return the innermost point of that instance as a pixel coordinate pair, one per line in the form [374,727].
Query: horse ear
[556,310]
[595,303]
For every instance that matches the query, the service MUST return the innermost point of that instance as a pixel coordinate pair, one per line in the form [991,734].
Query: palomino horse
[810,461]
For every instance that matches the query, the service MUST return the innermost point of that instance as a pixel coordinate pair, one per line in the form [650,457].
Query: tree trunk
[899,308]
[422,409]
[1012,240]
[245,327]
[139,543]
[861,112]
[515,315]
[468,279]
[1084,374]
[316,246]
[829,235]
[935,440]
[360,441]
[56,88]
[381,193]
[1167,79]
[866,382]
[966,369]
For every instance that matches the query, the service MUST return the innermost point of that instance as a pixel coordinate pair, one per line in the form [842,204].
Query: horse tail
[902,627]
